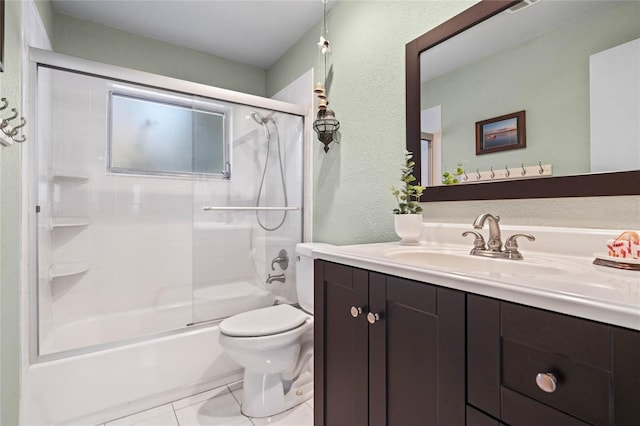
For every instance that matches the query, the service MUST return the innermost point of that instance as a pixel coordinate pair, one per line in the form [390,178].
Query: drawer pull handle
[356,311]
[372,318]
[547,382]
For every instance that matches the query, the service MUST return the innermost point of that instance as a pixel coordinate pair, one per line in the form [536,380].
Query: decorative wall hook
[10,134]
[524,171]
[5,122]
[493,174]
[15,131]
[541,171]
[508,173]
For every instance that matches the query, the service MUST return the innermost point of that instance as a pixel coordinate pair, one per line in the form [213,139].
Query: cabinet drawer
[581,340]
[582,391]
[518,410]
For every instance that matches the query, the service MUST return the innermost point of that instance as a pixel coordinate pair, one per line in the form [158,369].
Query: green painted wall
[537,76]
[352,201]
[10,186]
[76,37]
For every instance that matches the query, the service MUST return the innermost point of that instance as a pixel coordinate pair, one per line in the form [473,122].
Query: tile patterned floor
[219,407]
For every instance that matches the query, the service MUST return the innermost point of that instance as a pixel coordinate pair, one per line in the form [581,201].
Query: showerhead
[261,119]
[257,118]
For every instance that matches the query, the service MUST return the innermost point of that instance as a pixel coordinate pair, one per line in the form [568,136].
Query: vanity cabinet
[395,352]
[388,351]
[589,371]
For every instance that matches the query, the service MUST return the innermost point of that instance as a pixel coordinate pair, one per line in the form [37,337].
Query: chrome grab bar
[231,208]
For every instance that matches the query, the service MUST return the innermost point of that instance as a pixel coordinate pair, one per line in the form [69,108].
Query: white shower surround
[98,385]
[145,241]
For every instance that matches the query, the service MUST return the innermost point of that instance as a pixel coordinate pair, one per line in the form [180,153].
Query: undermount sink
[462,261]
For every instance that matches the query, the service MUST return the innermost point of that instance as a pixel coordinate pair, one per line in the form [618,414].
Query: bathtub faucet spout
[276,277]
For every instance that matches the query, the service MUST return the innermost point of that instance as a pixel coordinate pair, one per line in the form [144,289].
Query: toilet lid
[263,322]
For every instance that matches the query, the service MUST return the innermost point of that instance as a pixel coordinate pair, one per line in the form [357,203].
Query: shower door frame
[52,60]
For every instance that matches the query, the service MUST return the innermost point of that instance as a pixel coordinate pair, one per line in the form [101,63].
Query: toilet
[275,347]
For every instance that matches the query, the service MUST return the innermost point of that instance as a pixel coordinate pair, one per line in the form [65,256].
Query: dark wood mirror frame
[588,185]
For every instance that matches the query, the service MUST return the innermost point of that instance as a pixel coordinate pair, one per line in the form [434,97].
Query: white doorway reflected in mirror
[431,146]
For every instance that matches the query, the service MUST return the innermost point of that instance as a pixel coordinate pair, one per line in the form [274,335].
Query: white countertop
[585,290]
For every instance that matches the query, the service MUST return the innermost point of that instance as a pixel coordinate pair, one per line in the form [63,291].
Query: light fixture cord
[324,30]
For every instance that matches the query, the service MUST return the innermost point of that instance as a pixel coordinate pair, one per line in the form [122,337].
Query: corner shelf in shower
[68,222]
[59,270]
[58,174]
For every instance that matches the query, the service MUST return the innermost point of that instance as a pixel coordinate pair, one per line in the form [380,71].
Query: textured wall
[581,212]
[352,201]
[76,37]
[10,158]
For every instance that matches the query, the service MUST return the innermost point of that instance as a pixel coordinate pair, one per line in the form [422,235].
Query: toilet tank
[304,276]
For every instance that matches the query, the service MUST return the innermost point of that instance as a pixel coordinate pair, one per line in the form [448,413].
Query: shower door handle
[226,172]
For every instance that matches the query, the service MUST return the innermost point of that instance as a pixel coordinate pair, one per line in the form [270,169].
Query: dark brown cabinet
[395,352]
[388,351]
[530,367]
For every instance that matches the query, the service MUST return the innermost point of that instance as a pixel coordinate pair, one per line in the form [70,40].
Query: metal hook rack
[10,134]
[493,174]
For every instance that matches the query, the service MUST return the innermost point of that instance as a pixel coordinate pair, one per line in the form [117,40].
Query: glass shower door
[248,221]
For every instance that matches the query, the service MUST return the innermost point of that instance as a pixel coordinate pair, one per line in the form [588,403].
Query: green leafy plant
[452,178]
[408,194]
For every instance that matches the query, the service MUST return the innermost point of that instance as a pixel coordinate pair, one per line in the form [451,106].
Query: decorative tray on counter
[629,264]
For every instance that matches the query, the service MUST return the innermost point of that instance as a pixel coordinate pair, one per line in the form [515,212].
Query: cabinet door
[626,377]
[417,363]
[341,346]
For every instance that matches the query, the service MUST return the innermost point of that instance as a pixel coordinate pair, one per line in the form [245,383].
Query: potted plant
[453,177]
[408,217]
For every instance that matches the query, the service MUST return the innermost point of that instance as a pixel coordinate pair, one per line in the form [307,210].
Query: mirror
[558,118]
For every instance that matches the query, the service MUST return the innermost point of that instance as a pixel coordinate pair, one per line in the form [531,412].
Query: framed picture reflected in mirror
[501,133]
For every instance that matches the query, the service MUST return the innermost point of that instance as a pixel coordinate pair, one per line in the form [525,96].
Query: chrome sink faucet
[495,243]
[493,248]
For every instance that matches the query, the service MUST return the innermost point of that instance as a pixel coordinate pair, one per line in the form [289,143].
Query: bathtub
[210,301]
[95,387]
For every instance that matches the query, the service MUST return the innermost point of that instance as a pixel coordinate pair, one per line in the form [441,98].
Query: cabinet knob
[372,318]
[355,311]
[547,382]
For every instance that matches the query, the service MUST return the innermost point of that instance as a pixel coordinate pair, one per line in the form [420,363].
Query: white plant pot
[408,227]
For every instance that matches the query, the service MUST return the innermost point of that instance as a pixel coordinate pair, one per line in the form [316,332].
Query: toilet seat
[263,322]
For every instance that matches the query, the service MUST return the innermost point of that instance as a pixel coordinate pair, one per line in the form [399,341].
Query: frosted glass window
[156,137]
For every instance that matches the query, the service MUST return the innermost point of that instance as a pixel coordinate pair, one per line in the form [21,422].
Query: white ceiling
[254,32]
[501,32]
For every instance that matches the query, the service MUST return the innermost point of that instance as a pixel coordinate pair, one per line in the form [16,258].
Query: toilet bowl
[275,347]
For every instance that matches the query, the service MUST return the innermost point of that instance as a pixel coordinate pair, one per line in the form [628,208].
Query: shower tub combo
[164,206]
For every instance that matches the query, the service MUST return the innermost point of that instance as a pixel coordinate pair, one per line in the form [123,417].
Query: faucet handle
[478,242]
[282,259]
[511,245]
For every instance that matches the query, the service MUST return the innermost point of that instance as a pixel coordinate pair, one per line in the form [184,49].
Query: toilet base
[264,394]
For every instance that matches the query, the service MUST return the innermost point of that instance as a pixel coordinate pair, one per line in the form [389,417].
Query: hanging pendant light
[326,125]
